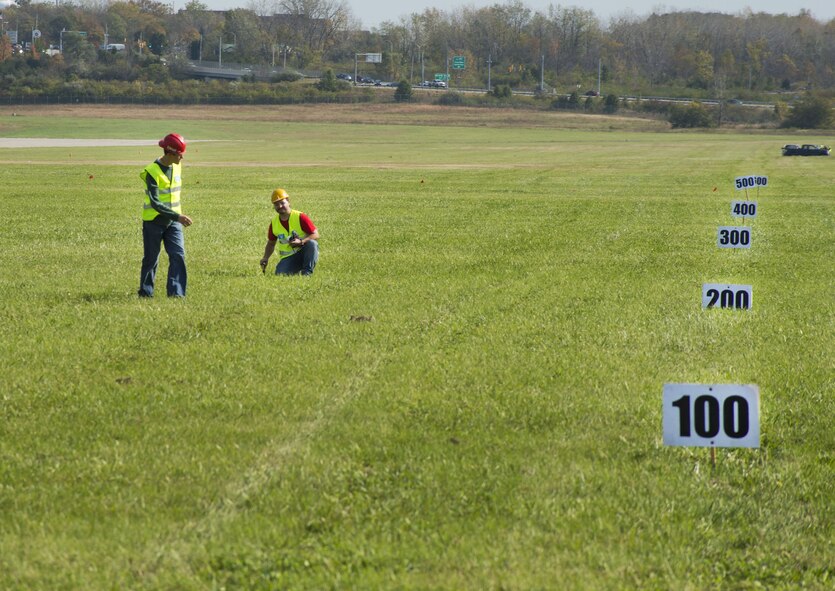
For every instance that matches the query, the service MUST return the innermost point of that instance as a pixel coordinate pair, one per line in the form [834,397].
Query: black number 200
[728,298]
[704,416]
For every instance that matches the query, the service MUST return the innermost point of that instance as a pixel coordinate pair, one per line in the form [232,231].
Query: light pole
[489,64]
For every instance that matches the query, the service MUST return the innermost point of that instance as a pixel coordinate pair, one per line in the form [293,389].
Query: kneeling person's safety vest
[283,235]
[169,190]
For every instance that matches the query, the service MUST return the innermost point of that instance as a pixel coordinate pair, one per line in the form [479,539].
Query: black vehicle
[805,150]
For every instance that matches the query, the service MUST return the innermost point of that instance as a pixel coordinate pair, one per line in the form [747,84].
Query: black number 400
[707,419]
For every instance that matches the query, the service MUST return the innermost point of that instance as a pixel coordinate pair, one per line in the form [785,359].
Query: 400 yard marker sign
[717,415]
[745,209]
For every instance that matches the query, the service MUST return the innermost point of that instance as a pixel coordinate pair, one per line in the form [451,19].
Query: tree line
[559,48]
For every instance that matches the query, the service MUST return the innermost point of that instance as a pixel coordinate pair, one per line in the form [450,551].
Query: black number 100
[706,419]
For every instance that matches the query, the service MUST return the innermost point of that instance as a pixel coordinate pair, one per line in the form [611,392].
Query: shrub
[811,112]
[403,92]
[450,99]
[330,83]
[502,91]
[611,103]
[285,77]
[692,115]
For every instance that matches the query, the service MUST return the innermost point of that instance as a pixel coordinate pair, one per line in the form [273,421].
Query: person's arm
[269,249]
[160,207]
[299,242]
[309,229]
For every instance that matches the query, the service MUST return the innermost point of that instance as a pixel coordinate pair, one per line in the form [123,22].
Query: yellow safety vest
[169,191]
[283,235]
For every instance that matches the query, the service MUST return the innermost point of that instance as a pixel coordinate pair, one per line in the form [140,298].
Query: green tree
[611,103]
[329,82]
[811,112]
[693,115]
[403,92]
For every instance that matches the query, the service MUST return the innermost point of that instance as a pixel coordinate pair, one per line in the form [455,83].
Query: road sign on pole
[458,62]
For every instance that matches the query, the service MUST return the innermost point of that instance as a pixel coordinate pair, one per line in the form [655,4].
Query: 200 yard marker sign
[711,415]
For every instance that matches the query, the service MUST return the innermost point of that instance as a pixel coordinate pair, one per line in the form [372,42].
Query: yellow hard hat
[278,195]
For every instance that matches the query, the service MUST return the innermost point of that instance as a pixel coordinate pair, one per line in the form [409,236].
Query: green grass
[497,425]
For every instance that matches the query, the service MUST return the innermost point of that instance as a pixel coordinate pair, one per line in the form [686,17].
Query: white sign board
[751,181]
[745,209]
[733,237]
[723,295]
[717,415]
[374,58]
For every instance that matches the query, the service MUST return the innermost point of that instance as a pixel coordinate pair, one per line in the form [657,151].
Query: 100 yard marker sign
[711,415]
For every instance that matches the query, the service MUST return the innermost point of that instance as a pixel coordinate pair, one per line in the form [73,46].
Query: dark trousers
[303,261]
[153,235]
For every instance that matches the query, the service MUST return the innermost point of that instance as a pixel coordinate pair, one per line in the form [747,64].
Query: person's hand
[184,220]
[264,265]
[296,242]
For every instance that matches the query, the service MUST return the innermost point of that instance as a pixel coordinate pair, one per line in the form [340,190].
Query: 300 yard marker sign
[733,237]
[717,415]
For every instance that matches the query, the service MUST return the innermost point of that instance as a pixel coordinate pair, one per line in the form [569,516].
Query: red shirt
[304,221]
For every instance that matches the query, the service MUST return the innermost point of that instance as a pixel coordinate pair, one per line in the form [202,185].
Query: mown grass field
[466,394]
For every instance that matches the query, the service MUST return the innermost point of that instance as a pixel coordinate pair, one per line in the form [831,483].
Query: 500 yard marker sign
[718,415]
[752,181]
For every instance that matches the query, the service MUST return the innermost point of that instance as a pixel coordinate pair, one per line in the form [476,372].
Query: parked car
[805,150]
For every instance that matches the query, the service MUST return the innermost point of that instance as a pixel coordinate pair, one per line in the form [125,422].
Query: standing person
[163,219]
[296,237]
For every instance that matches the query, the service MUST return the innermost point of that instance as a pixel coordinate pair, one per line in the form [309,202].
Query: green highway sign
[458,62]
[442,77]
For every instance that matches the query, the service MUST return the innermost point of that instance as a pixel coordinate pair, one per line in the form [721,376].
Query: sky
[373,12]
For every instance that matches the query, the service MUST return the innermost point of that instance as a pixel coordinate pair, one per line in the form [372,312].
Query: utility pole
[489,64]
[599,62]
[542,73]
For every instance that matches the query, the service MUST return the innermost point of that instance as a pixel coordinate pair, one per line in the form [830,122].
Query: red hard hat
[173,142]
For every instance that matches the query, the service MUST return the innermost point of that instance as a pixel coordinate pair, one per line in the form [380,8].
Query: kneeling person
[296,237]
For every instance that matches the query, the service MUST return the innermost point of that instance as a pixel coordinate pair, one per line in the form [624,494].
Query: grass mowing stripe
[179,553]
